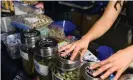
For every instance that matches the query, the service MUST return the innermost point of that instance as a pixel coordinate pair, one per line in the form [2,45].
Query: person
[119,61]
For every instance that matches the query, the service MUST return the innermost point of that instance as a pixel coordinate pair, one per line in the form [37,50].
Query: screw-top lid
[30,36]
[65,64]
[46,47]
[86,72]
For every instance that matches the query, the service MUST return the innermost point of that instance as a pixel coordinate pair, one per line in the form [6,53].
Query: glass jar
[58,74]
[44,59]
[27,58]
[86,72]
[12,43]
[128,76]
[43,66]
[27,50]
[66,69]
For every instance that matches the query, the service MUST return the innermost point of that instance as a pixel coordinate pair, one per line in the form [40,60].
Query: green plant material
[46,61]
[68,75]
[28,66]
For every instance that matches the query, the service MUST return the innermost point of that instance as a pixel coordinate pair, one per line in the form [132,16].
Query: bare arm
[105,22]
[99,28]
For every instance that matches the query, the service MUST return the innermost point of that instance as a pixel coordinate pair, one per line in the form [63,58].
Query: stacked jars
[27,49]
[44,59]
[66,69]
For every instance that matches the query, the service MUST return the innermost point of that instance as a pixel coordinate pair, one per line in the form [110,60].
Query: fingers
[75,47]
[109,72]
[82,54]
[64,47]
[99,64]
[118,74]
[102,69]
[67,51]
[75,52]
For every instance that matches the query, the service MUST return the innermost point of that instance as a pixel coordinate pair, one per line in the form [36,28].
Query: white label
[41,69]
[24,55]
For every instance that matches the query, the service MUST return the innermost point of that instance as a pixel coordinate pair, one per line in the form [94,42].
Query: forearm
[98,29]
[104,23]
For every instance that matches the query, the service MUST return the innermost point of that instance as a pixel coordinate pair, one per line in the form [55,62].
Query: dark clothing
[129,14]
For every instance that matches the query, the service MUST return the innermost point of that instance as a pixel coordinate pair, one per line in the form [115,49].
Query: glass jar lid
[46,46]
[65,64]
[86,72]
[30,36]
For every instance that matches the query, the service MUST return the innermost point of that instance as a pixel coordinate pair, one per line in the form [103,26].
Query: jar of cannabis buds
[44,59]
[66,69]
[27,49]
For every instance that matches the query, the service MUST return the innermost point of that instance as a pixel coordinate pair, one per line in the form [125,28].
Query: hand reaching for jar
[80,45]
[118,63]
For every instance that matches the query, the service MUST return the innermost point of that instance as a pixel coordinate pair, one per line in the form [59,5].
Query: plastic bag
[33,20]
[56,32]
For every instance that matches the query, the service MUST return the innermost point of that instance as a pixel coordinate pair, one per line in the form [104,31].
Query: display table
[12,69]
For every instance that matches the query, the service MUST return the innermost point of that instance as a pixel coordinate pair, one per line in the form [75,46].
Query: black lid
[30,36]
[46,46]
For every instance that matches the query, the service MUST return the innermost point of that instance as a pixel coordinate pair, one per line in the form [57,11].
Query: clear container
[86,72]
[44,59]
[27,50]
[43,66]
[66,69]
[128,76]
[59,74]
[27,54]
[12,44]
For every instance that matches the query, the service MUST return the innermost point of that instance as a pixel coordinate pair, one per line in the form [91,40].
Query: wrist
[86,39]
[129,50]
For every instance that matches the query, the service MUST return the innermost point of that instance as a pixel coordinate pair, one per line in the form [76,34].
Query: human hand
[118,63]
[79,46]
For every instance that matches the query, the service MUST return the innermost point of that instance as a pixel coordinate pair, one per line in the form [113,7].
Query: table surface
[125,74]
